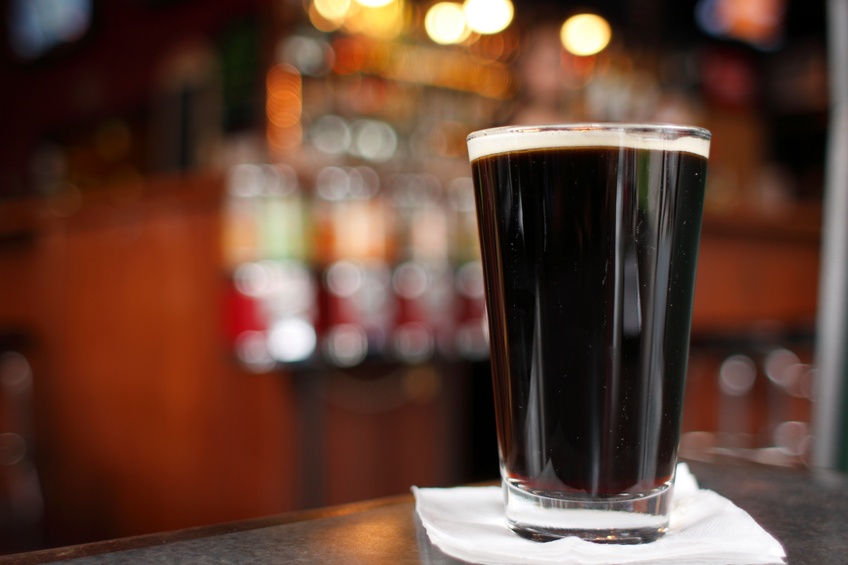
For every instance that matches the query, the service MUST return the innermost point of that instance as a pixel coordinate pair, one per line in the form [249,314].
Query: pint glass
[589,237]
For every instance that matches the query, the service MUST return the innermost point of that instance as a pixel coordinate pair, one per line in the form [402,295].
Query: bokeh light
[757,22]
[414,342]
[380,21]
[345,278]
[585,34]
[283,107]
[373,140]
[311,56]
[445,23]
[346,345]
[292,340]
[332,10]
[37,26]
[252,350]
[488,16]
[331,134]
[373,3]
[737,375]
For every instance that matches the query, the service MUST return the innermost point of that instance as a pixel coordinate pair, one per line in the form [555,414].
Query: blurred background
[239,271]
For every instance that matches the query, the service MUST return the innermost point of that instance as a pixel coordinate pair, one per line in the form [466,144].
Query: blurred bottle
[241,212]
[472,332]
[353,228]
[422,279]
[272,301]
[284,216]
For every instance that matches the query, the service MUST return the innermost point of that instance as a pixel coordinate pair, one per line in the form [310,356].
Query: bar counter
[807,511]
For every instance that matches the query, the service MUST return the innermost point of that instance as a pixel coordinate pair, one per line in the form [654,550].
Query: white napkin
[705,528]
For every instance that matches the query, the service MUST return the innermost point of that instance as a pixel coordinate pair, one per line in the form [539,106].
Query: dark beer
[589,256]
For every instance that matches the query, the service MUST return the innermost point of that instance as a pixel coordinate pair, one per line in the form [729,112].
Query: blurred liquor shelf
[361,266]
[278,238]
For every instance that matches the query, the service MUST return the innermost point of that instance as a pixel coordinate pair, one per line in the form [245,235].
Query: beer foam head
[637,136]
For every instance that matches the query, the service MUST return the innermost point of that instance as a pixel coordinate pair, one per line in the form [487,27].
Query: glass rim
[506,139]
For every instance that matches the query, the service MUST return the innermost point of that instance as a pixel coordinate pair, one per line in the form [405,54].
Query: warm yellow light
[445,23]
[488,16]
[373,3]
[283,108]
[380,22]
[585,34]
[321,23]
[332,9]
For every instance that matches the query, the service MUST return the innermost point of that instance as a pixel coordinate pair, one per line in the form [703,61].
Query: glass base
[624,519]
